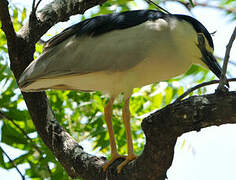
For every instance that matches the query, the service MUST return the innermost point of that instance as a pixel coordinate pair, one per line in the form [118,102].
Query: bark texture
[161,128]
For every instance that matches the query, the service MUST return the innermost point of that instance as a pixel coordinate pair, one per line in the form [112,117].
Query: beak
[213,65]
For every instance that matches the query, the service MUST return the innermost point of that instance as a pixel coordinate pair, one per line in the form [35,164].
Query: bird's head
[205,45]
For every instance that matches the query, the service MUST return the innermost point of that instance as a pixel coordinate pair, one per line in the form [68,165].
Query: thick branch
[162,129]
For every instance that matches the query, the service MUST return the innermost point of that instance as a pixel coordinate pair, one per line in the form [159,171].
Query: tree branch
[35,6]
[186,93]
[7,26]
[13,163]
[196,3]
[226,60]
[230,10]
[161,129]
[5,18]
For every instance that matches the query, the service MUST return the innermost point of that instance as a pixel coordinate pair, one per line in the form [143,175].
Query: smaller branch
[159,7]
[226,59]
[231,10]
[186,93]
[33,18]
[13,163]
[33,6]
[49,170]
[18,127]
[37,5]
[189,6]
[7,25]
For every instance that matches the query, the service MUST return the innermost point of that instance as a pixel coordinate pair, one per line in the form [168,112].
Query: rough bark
[161,129]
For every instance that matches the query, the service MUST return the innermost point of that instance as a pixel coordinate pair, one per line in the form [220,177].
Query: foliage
[80,113]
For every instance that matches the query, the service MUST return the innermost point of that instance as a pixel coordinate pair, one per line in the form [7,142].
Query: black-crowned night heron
[117,52]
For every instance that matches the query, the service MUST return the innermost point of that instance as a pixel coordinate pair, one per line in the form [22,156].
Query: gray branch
[226,59]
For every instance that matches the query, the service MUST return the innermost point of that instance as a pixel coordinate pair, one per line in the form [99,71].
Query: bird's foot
[115,156]
[128,158]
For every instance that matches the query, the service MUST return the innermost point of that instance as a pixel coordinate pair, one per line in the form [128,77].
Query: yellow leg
[126,119]
[108,118]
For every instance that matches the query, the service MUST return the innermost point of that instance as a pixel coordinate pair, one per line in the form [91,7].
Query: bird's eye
[201,40]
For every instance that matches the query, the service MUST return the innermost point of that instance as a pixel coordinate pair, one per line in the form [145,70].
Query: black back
[102,24]
[106,23]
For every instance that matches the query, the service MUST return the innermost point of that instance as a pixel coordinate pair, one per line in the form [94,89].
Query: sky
[205,155]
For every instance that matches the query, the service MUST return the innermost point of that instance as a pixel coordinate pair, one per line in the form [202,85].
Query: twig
[199,86]
[22,130]
[189,6]
[37,5]
[231,10]
[226,59]
[33,6]
[151,2]
[13,163]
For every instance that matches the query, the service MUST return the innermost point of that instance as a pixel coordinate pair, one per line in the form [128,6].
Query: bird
[116,53]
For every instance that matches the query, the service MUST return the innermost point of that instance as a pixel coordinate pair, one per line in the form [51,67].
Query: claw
[114,157]
[129,158]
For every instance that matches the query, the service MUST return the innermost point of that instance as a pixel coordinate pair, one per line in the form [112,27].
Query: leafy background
[81,114]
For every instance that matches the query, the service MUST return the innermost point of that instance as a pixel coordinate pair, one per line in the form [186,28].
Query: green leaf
[157,101]
[193,70]
[191,2]
[15,14]
[168,95]
[23,15]
[180,91]
[11,136]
